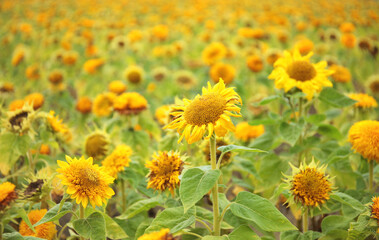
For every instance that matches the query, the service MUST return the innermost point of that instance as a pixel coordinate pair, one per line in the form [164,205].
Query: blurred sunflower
[185,79]
[35,99]
[348,40]
[45,230]
[375,209]
[91,66]
[117,87]
[85,181]
[96,144]
[32,72]
[130,103]
[7,194]
[294,70]
[222,70]
[163,234]
[160,73]
[363,100]
[16,104]
[364,138]
[255,63]
[134,74]
[209,112]
[162,114]
[58,126]
[84,105]
[103,104]
[117,160]
[374,84]
[245,132]
[213,53]
[20,120]
[341,74]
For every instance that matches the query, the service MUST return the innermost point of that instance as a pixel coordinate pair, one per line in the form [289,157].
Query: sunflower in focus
[45,230]
[86,182]
[209,112]
[309,185]
[294,70]
[163,234]
[7,194]
[363,100]
[117,160]
[165,168]
[364,138]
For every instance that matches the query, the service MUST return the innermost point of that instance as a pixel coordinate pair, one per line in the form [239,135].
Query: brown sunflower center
[134,77]
[90,176]
[205,109]
[301,71]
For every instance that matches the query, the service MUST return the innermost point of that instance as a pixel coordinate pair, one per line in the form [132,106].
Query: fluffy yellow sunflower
[45,230]
[363,100]
[209,112]
[375,209]
[309,185]
[117,160]
[7,194]
[163,234]
[222,70]
[165,168]
[294,70]
[85,181]
[103,104]
[130,103]
[364,138]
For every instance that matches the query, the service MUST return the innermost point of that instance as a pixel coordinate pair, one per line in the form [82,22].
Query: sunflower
[222,70]
[96,145]
[375,209]
[103,104]
[304,46]
[294,70]
[245,132]
[58,127]
[374,84]
[7,87]
[160,32]
[20,120]
[363,100]
[32,72]
[45,230]
[347,27]
[255,63]
[162,114]
[163,234]
[213,53]
[7,194]
[35,99]
[341,74]
[348,40]
[165,168]
[117,87]
[56,77]
[91,66]
[364,138]
[209,112]
[85,181]
[84,105]
[309,185]
[130,103]
[159,73]
[134,74]
[118,160]
[185,79]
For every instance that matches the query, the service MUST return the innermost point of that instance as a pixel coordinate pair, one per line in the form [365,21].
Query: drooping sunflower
[45,230]
[209,112]
[165,168]
[364,138]
[7,194]
[163,234]
[85,181]
[363,100]
[294,70]
[117,160]
[309,185]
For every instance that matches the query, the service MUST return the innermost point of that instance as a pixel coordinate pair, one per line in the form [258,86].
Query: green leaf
[329,131]
[243,232]
[113,230]
[173,219]
[55,213]
[93,227]
[195,184]
[335,98]
[229,148]
[296,235]
[206,215]
[333,222]
[214,238]
[138,207]
[12,146]
[268,99]
[259,210]
[18,236]
[348,200]
[290,132]
[316,118]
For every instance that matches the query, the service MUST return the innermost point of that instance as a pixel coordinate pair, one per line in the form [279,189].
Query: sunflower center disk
[205,109]
[134,77]
[301,71]
[90,177]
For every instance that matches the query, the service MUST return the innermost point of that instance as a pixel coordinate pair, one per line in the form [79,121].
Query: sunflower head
[160,73]
[296,71]
[165,168]
[374,84]
[255,63]
[7,194]
[96,144]
[7,87]
[35,99]
[222,70]
[86,182]
[20,121]
[32,72]
[117,160]
[45,230]
[209,112]
[84,105]
[130,103]
[92,66]
[341,74]
[56,77]
[245,132]
[364,101]
[375,209]
[364,138]
[185,79]
[226,159]
[163,234]
[117,87]
[134,74]
[103,104]
[309,185]
[213,53]
[58,127]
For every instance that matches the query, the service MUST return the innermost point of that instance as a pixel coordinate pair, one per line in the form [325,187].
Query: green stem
[371,176]
[224,211]
[123,195]
[216,211]
[305,220]
[300,107]
[193,234]
[205,225]
[81,216]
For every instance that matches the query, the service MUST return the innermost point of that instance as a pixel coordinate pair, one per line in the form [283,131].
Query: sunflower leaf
[335,98]
[230,148]
[55,213]
[93,227]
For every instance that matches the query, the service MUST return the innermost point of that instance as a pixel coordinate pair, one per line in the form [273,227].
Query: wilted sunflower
[45,230]
[85,181]
[7,194]
[363,100]
[245,132]
[209,112]
[165,168]
[364,138]
[96,144]
[163,234]
[134,74]
[130,103]
[222,70]
[59,127]
[309,185]
[117,160]
[294,70]
[103,104]
[20,121]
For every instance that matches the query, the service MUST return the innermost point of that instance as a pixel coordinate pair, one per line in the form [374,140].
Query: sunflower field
[189,120]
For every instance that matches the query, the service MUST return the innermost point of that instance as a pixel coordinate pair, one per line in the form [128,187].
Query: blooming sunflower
[294,70]
[103,104]
[363,100]
[222,70]
[85,181]
[309,185]
[117,160]
[134,74]
[163,234]
[7,194]
[84,105]
[165,168]
[341,74]
[45,230]
[130,103]
[246,132]
[209,112]
[213,53]
[117,87]
[364,138]
[59,127]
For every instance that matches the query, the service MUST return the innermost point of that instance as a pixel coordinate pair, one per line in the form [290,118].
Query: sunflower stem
[216,211]
[123,195]
[371,176]
[81,216]
[305,220]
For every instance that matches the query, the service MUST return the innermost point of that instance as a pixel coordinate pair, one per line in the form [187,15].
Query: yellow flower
[91,66]
[160,73]
[84,105]
[117,87]
[130,103]
[347,27]
[246,132]
[374,84]
[304,46]
[364,138]
[134,74]
[375,209]
[207,113]
[35,99]
[18,56]
[163,234]
[363,100]
[134,36]
[162,114]
[118,160]
[165,168]
[309,185]
[160,32]
[7,194]
[7,87]
[222,70]
[185,79]
[59,127]
[348,40]
[56,77]
[45,230]
[213,53]
[294,70]
[32,72]
[20,120]
[103,104]
[341,74]
[96,145]
[85,181]
[255,63]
